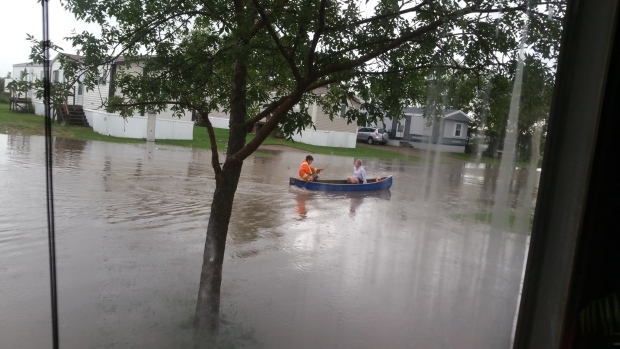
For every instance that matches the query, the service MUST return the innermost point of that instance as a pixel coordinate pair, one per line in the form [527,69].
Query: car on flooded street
[372,135]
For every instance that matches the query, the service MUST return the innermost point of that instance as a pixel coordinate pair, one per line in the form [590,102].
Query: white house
[29,72]
[448,135]
[331,133]
[334,133]
[167,127]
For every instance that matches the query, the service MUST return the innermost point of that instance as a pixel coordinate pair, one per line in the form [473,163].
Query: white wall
[327,138]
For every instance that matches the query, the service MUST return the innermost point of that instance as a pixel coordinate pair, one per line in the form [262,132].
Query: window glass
[434,261]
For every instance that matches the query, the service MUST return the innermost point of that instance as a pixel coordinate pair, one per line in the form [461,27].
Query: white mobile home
[449,135]
[331,133]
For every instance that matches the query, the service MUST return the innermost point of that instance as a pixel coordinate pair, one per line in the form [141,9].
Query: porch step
[75,117]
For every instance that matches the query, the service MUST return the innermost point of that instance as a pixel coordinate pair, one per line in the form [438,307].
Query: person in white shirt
[359,174]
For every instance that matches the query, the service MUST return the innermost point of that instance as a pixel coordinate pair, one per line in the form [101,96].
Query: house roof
[457,115]
[70,56]
[30,64]
[27,64]
[449,114]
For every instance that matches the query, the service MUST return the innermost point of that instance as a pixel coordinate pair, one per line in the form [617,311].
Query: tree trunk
[208,303]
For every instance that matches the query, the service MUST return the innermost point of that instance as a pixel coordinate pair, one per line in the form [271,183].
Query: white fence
[327,138]
[132,127]
[220,122]
[38,108]
[136,126]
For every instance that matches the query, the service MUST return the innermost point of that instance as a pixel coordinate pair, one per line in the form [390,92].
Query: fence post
[150,126]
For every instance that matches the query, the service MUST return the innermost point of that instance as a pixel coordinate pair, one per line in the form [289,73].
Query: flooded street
[413,267]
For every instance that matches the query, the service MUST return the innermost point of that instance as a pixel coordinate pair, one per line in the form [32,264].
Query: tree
[257,59]
[491,109]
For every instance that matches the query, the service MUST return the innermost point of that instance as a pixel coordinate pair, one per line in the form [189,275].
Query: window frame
[458,127]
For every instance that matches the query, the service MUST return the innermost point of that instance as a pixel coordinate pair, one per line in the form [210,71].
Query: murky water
[414,267]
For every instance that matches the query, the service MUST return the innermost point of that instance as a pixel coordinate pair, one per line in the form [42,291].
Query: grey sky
[24,17]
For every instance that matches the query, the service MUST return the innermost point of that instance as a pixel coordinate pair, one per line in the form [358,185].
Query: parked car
[372,135]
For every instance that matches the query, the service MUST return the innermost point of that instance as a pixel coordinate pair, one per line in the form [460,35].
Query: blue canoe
[342,185]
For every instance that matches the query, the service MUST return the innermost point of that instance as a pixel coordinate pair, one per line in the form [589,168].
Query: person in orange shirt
[307,172]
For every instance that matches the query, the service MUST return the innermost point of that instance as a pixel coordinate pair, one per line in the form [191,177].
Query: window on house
[458,130]
[80,89]
[56,75]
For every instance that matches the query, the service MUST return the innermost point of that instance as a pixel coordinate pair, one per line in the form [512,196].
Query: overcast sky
[24,17]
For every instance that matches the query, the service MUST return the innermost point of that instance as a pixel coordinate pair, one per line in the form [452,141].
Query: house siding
[323,123]
[34,71]
[449,127]
[419,127]
[93,99]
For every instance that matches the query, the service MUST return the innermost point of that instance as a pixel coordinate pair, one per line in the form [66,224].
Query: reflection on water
[303,269]
[301,197]
[355,204]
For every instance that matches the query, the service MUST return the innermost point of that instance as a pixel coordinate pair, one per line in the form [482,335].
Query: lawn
[11,123]
[201,140]
[31,124]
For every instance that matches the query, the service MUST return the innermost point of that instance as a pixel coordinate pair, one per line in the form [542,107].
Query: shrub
[4,98]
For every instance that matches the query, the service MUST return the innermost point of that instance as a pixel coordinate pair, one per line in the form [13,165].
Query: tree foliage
[494,106]
[383,55]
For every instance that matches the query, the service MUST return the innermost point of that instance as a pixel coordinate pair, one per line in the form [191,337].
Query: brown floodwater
[413,267]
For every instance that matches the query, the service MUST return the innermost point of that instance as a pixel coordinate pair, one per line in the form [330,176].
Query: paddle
[319,171]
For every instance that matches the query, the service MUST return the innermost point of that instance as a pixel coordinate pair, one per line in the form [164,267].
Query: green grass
[11,123]
[31,124]
[201,140]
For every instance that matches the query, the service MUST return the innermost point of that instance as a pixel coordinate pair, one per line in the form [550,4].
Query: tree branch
[379,17]
[317,35]
[404,38]
[206,4]
[429,66]
[273,106]
[215,158]
[322,83]
[271,124]
[276,40]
